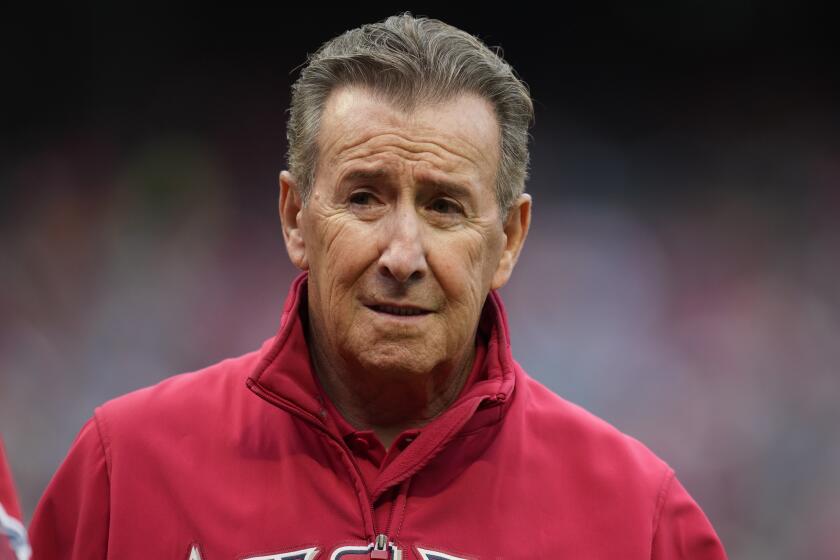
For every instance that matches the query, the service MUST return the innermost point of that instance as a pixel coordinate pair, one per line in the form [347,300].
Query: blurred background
[681,278]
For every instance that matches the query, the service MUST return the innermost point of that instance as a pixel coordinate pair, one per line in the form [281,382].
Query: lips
[401,310]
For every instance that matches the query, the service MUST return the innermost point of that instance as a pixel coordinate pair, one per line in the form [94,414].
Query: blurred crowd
[681,278]
[700,314]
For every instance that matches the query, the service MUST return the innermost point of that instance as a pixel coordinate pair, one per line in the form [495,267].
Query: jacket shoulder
[616,478]
[589,443]
[181,401]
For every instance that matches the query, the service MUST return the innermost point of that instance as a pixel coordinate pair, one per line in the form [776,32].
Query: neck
[388,402]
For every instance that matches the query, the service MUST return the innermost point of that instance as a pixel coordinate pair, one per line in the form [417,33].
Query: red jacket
[242,460]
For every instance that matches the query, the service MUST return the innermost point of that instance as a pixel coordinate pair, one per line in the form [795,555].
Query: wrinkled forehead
[461,132]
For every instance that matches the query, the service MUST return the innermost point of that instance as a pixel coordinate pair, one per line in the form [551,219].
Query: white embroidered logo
[13,530]
[310,553]
[303,554]
[434,555]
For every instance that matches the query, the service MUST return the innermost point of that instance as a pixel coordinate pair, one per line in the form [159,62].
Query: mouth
[399,310]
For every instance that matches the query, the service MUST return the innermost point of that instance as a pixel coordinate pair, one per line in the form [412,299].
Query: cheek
[465,269]
[340,255]
[352,252]
[460,265]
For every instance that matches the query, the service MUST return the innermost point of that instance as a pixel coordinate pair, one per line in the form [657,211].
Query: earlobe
[291,209]
[516,227]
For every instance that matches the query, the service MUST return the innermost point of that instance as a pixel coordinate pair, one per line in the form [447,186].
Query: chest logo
[337,554]
[303,554]
[434,555]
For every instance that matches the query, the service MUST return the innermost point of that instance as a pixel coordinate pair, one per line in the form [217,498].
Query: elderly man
[387,417]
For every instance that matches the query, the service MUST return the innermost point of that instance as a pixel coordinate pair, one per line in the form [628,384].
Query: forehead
[460,135]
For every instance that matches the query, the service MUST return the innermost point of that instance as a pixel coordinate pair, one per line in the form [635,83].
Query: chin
[398,360]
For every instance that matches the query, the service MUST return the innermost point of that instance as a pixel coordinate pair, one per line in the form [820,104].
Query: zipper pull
[380,548]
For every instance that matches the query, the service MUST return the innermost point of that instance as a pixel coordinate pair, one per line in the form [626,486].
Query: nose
[403,257]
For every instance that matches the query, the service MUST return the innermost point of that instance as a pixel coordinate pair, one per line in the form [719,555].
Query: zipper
[380,546]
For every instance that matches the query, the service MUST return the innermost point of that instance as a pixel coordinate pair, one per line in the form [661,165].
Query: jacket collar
[284,376]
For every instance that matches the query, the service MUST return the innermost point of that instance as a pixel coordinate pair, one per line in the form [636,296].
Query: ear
[515,227]
[291,209]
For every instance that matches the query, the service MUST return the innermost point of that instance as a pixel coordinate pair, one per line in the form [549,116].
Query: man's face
[402,235]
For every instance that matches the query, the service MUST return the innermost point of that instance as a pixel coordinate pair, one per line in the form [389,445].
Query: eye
[445,206]
[362,198]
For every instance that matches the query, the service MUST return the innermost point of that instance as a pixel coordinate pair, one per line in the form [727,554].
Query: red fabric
[510,470]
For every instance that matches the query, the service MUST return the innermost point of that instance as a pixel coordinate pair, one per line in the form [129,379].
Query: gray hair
[412,61]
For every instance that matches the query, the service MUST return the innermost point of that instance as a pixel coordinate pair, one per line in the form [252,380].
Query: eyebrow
[365,175]
[451,187]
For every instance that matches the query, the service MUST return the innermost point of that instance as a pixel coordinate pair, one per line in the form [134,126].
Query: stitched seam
[424,460]
[104,441]
[664,488]
[105,444]
[402,510]
[359,487]
[490,424]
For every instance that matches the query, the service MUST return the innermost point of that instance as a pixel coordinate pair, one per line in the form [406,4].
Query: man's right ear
[291,209]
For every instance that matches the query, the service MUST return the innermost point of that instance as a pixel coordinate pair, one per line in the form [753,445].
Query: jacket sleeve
[71,519]
[682,531]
